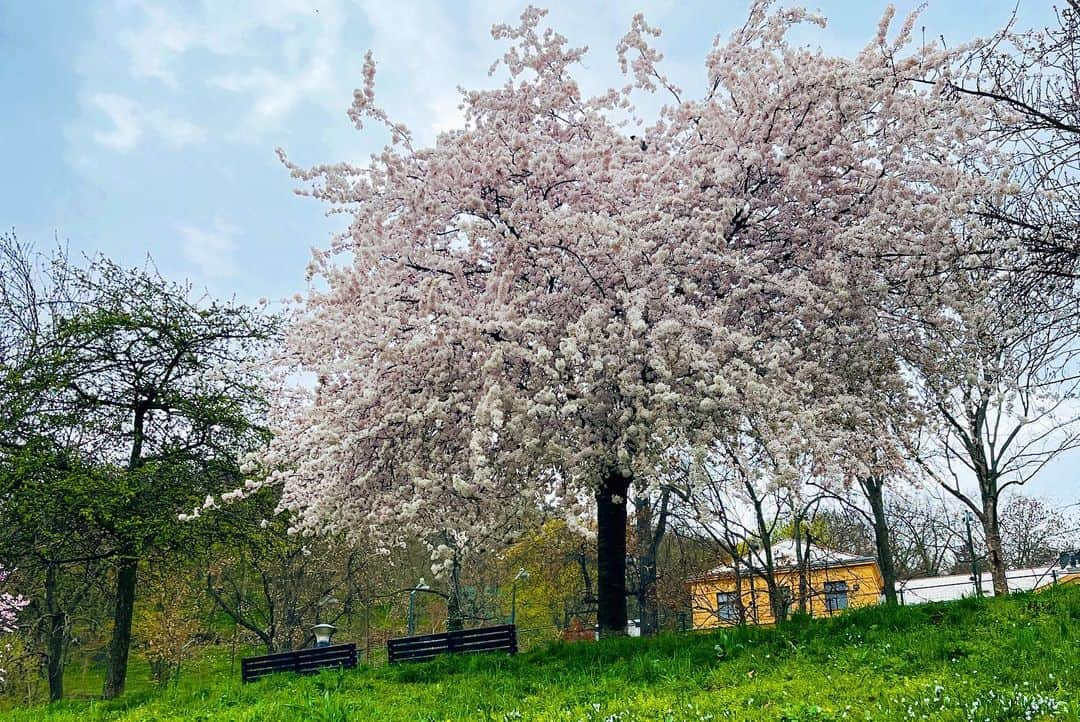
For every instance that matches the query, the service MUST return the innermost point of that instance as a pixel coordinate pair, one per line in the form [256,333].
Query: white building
[957,586]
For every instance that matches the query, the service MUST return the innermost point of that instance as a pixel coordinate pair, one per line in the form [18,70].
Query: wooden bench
[485,639]
[301,661]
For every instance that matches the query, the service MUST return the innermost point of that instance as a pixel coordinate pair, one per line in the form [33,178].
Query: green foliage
[125,399]
[554,591]
[992,659]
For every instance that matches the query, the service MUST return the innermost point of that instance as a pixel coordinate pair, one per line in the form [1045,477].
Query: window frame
[727,611]
[837,597]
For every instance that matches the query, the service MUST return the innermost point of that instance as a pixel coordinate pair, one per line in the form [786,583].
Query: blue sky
[139,126]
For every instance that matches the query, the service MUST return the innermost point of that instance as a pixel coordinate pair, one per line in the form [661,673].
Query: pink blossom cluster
[10,606]
[542,297]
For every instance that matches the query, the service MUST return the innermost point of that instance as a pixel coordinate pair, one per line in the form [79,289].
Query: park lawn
[998,659]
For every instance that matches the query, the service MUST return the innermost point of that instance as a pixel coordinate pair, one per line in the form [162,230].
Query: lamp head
[323,632]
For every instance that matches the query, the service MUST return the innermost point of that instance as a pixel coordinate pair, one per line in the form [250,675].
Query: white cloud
[177,131]
[312,69]
[279,52]
[124,115]
[152,48]
[166,32]
[131,123]
[212,249]
[281,55]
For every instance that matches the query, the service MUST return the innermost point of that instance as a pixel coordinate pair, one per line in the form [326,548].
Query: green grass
[997,659]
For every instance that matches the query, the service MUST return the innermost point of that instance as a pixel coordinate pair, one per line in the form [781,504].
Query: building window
[836,596]
[726,607]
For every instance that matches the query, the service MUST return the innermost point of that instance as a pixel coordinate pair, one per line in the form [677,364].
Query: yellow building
[1070,577]
[734,594]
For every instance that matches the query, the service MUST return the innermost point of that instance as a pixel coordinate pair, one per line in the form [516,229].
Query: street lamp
[968,516]
[323,632]
[522,574]
[421,587]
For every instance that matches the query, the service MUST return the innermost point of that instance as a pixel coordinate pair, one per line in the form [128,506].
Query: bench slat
[502,638]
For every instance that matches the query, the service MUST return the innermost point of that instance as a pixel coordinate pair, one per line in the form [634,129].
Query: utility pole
[975,578]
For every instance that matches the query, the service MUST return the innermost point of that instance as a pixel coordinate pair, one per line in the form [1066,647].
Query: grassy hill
[996,659]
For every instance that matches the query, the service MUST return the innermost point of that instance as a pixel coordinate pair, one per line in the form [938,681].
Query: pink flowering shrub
[10,606]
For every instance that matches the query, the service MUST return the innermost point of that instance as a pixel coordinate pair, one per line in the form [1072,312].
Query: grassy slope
[1001,659]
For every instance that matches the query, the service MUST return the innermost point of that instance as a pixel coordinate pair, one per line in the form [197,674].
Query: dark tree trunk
[611,554]
[778,601]
[116,671]
[874,487]
[995,557]
[646,563]
[55,634]
[740,608]
[127,570]
[454,620]
[582,557]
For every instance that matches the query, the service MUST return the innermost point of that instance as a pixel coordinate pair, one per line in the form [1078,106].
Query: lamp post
[522,574]
[323,632]
[420,587]
[975,578]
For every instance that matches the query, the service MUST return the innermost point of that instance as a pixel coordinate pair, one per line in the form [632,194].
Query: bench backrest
[485,639]
[303,661]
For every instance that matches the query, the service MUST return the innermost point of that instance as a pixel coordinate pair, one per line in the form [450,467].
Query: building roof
[785,559]
[956,586]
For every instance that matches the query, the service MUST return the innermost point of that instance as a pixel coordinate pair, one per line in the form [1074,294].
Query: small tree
[736,496]
[999,388]
[1033,533]
[277,585]
[51,494]
[652,511]
[167,390]
[926,533]
[131,399]
[171,620]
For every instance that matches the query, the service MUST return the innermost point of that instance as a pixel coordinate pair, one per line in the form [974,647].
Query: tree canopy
[539,305]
